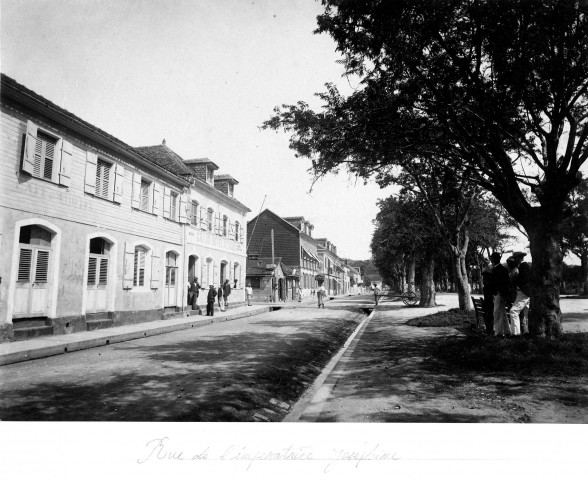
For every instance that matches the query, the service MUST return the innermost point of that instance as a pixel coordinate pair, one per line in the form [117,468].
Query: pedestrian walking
[194,292]
[226,293]
[376,292]
[320,295]
[489,291]
[249,293]
[521,282]
[210,301]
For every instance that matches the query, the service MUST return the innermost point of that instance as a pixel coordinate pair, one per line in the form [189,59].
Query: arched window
[170,268]
[35,249]
[98,261]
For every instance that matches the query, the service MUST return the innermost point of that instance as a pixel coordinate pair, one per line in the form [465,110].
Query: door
[97,280]
[171,274]
[30,296]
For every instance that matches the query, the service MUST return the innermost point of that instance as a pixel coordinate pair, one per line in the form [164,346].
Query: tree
[575,231]
[496,89]
[405,231]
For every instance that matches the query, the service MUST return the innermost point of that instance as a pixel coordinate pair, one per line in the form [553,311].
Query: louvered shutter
[155,271]
[28,158]
[91,165]
[136,195]
[183,209]
[42,267]
[231,230]
[55,166]
[157,199]
[65,164]
[202,218]
[241,234]
[24,265]
[103,273]
[119,179]
[166,201]
[129,264]
[92,264]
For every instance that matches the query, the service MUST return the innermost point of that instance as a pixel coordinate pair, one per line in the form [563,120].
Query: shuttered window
[24,265]
[237,231]
[173,206]
[103,178]
[145,189]
[92,270]
[194,219]
[44,156]
[225,225]
[139,272]
[209,213]
[103,277]
[170,269]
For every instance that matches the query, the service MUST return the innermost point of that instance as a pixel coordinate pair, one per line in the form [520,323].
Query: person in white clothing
[248,293]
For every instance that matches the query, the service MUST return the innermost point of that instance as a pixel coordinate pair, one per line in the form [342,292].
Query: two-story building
[96,233]
[331,266]
[291,239]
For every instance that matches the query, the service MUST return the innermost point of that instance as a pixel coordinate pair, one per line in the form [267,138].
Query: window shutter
[92,262]
[129,265]
[241,234]
[157,199]
[203,279]
[56,164]
[91,163]
[42,268]
[24,265]
[119,178]
[65,166]
[166,202]
[136,195]
[28,158]
[202,218]
[155,270]
[103,277]
[183,208]
[215,275]
[231,230]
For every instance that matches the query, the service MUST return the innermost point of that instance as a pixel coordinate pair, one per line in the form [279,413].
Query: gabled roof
[277,217]
[166,158]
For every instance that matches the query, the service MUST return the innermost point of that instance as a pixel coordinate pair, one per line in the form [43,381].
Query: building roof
[226,176]
[276,216]
[11,88]
[166,158]
[201,161]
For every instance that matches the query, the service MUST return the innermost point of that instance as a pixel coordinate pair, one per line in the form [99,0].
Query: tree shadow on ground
[214,378]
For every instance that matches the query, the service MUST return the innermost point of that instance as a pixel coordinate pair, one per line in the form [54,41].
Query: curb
[62,344]
[311,403]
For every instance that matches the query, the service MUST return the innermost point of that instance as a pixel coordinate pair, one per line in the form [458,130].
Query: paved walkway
[383,376]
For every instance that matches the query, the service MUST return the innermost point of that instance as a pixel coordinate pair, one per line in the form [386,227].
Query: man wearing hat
[210,301]
[489,291]
[504,295]
[521,281]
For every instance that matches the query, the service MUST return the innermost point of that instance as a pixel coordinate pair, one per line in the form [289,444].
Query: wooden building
[96,233]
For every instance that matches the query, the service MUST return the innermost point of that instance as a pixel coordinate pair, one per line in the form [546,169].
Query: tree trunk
[461,279]
[410,273]
[546,274]
[428,282]
[584,260]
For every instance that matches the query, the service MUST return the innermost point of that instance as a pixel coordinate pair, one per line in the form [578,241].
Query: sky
[203,75]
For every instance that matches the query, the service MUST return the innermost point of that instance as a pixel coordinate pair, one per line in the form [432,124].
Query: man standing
[376,292]
[489,291]
[521,281]
[226,293]
[194,291]
[210,301]
[249,293]
[502,297]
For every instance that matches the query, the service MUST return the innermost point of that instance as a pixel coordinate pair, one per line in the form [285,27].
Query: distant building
[271,280]
[96,233]
[331,267]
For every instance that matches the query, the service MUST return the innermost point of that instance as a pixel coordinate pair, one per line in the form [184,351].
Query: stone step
[32,332]
[31,322]
[99,324]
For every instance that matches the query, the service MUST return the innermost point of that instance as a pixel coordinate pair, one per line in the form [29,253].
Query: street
[243,370]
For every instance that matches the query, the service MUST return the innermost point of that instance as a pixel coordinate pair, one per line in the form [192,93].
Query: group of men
[222,294]
[506,294]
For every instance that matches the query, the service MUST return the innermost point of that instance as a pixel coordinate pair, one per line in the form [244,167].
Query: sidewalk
[388,374]
[47,346]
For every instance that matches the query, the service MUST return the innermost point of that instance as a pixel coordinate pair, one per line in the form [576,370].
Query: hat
[518,255]
[495,255]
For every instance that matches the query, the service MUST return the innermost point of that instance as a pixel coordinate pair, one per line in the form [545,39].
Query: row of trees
[490,94]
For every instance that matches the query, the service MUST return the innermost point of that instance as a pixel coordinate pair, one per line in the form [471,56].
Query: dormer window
[209,173]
